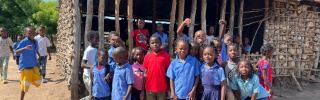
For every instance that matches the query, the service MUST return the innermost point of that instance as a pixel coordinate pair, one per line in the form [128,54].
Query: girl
[216,41]
[230,67]
[200,55]
[210,34]
[183,72]
[265,68]
[194,49]
[137,54]
[248,83]
[212,76]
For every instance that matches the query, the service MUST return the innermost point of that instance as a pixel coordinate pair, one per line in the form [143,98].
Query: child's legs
[151,96]
[36,78]
[28,77]
[230,96]
[1,66]
[86,81]
[5,67]
[17,60]
[42,65]
[135,94]
[161,95]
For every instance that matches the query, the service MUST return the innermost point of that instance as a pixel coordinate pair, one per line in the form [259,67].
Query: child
[100,89]
[228,38]
[163,36]
[137,55]
[123,77]
[44,50]
[199,37]
[246,47]
[114,41]
[245,81]
[156,64]
[88,59]
[15,47]
[265,68]
[140,35]
[230,67]
[5,48]
[212,76]
[200,55]
[210,34]
[183,72]
[216,41]
[194,49]
[28,50]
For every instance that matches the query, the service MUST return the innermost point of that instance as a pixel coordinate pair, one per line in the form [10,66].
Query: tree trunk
[88,21]
[193,17]
[154,17]
[130,24]
[240,24]
[266,4]
[171,27]
[217,19]
[232,13]
[222,15]
[117,5]
[203,16]
[101,23]
[181,11]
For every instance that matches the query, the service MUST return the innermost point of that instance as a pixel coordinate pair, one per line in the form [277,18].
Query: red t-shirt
[156,66]
[141,38]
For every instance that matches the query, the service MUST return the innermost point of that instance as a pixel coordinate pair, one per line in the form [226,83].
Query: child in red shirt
[140,35]
[156,64]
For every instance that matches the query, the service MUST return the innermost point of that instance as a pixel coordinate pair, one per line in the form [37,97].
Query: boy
[199,37]
[210,34]
[15,47]
[156,64]
[140,35]
[44,50]
[114,41]
[5,46]
[226,40]
[163,36]
[99,89]
[88,59]
[28,49]
[246,46]
[123,75]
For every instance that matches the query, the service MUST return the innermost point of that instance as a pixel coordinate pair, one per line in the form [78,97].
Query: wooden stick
[101,23]
[88,21]
[222,15]
[154,16]
[232,13]
[203,16]
[130,24]
[116,12]
[192,16]
[295,80]
[171,27]
[240,24]
[181,11]
[266,23]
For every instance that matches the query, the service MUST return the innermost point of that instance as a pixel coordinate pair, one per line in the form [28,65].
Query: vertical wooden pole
[240,23]
[117,5]
[222,15]
[217,18]
[88,21]
[101,23]
[232,13]
[77,44]
[203,16]
[154,17]
[171,27]
[266,22]
[193,17]
[181,11]
[130,24]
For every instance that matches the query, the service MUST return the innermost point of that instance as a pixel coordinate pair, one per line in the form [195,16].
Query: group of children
[201,70]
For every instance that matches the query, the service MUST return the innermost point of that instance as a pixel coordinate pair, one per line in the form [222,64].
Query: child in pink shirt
[216,41]
[137,55]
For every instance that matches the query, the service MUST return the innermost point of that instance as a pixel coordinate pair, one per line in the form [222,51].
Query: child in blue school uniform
[183,72]
[123,78]
[248,83]
[99,87]
[212,76]
[15,47]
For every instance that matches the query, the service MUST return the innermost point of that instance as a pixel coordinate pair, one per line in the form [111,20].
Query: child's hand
[187,22]
[142,95]
[125,98]
[192,95]
[28,47]
[222,22]
[270,92]
[175,97]
[107,78]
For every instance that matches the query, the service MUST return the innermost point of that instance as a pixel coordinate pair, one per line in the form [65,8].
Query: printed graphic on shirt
[3,42]
[142,38]
[231,73]
[138,72]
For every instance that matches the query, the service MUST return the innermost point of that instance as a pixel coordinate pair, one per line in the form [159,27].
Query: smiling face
[139,55]
[102,57]
[29,32]
[244,68]
[209,55]
[182,48]
[200,37]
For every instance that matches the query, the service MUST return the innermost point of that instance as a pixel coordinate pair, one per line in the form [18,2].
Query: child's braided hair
[215,51]
[251,72]
[265,49]
[215,39]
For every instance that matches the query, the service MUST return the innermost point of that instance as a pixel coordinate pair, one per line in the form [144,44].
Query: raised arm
[224,24]
[186,22]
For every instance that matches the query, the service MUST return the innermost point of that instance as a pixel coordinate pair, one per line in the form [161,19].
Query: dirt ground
[309,92]
[55,89]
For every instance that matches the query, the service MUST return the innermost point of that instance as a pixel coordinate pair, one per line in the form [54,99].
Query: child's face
[200,37]
[159,28]
[270,54]
[94,41]
[155,44]
[19,38]
[182,49]
[244,69]
[3,32]
[232,51]
[41,31]
[201,54]
[211,30]
[103,58]
[30,33]
[237,40]
[209,55]
[228,40]
[246,40]
[218,45]
[139,55]
[193,50]
[120,58]
[140,24]
[114,41]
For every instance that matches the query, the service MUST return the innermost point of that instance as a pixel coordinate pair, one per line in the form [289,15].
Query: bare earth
[55,89]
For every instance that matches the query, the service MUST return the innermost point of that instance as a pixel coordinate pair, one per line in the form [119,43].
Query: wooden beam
[181,11]
[171,27]
[116,9]
[240,24]
[101,24]
[203,16]
[130,24]
[88,21]
[193,17]
[216,19]
[232,13]
[154,17]
[222,15]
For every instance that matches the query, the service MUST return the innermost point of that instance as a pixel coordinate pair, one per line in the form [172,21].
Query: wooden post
[232,13]
[216,19]
[240,23]
[203,16]
[77,44]
[130,24]
[222,15]
[154,17]
[101,24]
[88,21]
[193,17]
[116,9]
[181,11]
[266,22]
[171,27]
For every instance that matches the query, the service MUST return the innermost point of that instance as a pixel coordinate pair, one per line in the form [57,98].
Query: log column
[181,11]
[232,13]
[203,16]
[101,23]
[240,23]
[88,21]
[171,27]
[130,24]
[222,15]
[192,16]
[116,9]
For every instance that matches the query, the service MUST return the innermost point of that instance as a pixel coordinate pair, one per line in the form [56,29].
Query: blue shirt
[248,87]
[218,73]
[123,76]
[248,48]
[111,61]
[28,58]
[186,37]
[99,87]
[183,75]
[164,37]
[223,52]
[14,47]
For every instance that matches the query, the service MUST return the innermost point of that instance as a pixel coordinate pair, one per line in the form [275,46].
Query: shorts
[28,77]
[156,95]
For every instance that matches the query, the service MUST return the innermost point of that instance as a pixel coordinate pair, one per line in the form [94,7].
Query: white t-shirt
[43,43]
[209,39]
[5,45]
[89,55]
